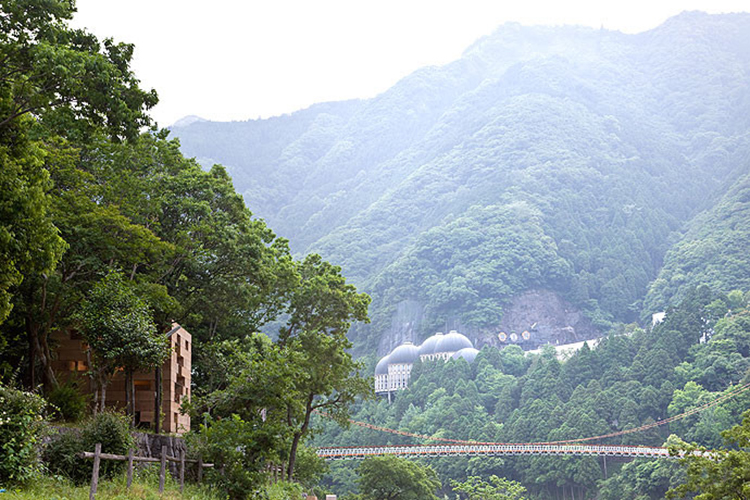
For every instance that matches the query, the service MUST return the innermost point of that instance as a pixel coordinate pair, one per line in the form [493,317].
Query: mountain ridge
[616,140]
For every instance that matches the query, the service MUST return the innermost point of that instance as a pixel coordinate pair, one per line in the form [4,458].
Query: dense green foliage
[395,478]
[613,142]
[65,74]
[714,250]
[67,403]
[258,414]
[497,488]
[632,378]
[21,425]
[119,328]
[723,473]
[110,429]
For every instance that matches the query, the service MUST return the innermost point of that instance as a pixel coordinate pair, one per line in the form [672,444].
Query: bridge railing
[358,452]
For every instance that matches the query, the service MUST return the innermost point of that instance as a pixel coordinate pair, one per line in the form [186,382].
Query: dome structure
[405,353]
[382,367]
[453,342]
[428,346]
[468,353]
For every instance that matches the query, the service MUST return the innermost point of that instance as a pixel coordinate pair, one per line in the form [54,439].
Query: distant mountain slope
[715,251]
[563,158]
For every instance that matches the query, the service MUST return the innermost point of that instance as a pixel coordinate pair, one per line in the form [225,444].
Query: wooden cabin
[71,363]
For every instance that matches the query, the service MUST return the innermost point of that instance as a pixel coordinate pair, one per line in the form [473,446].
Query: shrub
[61,457]
[108,428]
[21,424]
[284,490]
[67,402]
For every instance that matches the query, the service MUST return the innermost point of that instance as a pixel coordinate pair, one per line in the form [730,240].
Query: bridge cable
[729,395]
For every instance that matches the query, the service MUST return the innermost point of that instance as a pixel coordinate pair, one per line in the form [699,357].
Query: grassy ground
[144,488]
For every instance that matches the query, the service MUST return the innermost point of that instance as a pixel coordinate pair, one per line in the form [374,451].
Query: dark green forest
[610,155]
[634,377]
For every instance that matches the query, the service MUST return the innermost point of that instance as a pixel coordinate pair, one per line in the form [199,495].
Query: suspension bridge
[571,447]
[439,450]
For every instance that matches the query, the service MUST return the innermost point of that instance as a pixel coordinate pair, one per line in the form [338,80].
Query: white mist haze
[232,60]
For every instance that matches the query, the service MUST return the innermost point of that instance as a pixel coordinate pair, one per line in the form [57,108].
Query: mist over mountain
[609,169]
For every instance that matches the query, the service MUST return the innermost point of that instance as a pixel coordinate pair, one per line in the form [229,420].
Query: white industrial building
[392,371]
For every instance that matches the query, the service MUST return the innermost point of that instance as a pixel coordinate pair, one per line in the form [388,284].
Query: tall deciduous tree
[119,329]
[72,82]
[322,308]
[47,66]
[395,478]
[28,240]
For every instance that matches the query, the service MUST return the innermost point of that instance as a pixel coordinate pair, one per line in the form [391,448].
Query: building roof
[428,346]
[468,353]
[382,367]
[453,342]
[405,353]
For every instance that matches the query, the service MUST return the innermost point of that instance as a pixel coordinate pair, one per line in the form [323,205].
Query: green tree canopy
[395,478]
[497,488]
[119,329]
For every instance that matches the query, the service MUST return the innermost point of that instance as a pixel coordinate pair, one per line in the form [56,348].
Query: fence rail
[98,456]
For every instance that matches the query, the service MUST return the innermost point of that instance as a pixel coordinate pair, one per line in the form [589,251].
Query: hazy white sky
[241,59]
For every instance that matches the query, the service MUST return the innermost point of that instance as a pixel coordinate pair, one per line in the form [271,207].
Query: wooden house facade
[72,363]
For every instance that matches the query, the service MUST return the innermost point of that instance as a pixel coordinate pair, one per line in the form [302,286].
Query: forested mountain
[566,159]
[632,379]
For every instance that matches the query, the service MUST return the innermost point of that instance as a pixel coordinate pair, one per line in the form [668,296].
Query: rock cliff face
[538,317]
[406,324]
[533,318]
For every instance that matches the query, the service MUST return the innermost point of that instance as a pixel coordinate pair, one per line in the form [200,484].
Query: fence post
[95,473]
[130,468]
[200,470]
[163,471]
[182,470]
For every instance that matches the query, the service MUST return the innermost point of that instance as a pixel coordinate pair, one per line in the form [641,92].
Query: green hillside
[565,158]
[714,250]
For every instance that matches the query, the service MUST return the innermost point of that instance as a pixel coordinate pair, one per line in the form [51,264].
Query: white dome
[453,342]
[468,353]
[429,345]
[382,367]
[405,353]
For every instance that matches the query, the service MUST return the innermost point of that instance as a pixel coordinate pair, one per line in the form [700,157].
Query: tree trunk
[129,397]
[103,400]
[157,400]
[50,379]
[127,393]
[132,398]
[297,436]
[32,366]
[293,456]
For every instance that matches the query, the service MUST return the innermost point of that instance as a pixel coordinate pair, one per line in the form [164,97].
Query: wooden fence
[98,456]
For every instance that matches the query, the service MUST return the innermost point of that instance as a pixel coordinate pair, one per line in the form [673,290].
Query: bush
[21,424]
[110,429]
[67,403]
[284,491]
[61,457]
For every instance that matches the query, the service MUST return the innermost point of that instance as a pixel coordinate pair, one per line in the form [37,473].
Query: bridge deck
[358,452]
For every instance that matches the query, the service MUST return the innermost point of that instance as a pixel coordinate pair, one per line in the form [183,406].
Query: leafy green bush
[236,448]
[108,428]
[61,457]
[68,404]
[21,423]
[284,490]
